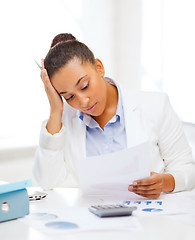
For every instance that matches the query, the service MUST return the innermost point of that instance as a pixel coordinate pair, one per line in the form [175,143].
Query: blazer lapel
[135,130]
[79,130]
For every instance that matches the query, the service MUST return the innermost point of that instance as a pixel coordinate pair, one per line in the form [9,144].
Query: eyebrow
[76,83]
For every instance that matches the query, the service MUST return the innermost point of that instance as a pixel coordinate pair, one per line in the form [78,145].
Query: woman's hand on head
[54,123]
[153,186]
[55,99]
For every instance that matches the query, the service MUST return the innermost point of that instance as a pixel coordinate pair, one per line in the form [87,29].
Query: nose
[83,101]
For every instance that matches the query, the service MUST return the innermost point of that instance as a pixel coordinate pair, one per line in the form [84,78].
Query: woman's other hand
[153,186]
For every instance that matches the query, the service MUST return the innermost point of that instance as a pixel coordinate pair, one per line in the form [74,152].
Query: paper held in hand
[111,174]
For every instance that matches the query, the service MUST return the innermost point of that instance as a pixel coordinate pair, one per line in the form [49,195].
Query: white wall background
[179,56]
[145,44]
[112,29]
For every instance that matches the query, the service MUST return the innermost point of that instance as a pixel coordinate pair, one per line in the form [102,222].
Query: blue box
[14,200]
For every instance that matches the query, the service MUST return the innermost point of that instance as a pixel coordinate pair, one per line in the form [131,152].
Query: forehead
[71,73]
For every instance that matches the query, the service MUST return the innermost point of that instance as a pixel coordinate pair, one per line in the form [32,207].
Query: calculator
[112,210]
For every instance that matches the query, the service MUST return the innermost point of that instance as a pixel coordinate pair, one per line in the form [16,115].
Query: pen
[38,64]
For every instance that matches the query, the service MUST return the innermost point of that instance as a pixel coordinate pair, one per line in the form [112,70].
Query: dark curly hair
[64,48]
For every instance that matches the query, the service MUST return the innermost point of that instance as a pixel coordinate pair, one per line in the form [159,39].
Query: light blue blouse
[112,138]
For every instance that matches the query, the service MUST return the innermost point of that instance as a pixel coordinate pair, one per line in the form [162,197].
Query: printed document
[111,174]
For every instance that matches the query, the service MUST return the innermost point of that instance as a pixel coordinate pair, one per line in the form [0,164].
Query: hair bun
[62,37]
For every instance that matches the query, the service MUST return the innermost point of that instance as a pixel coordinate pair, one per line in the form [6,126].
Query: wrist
[56,113]
[168,182]
[54,123]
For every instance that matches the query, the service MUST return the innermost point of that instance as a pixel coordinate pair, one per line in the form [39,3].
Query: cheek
[98,89]
[72,104]
[95,93]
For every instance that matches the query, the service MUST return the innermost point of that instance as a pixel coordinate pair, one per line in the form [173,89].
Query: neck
[112,99]
[111,106]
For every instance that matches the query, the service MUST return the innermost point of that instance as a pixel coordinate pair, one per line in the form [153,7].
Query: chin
[97,113]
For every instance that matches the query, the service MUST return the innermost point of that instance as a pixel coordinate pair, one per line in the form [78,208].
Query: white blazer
[148,117]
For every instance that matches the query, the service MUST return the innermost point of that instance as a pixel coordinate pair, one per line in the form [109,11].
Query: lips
[91,108]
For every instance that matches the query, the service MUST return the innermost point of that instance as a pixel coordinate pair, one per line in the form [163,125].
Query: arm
[54,123]
[49,163]
[175,150]
[49,167]
[179,172]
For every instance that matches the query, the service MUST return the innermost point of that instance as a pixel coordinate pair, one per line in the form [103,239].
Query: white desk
[153,226]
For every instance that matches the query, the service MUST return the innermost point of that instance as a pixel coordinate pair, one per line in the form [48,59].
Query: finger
[147,187]
[155,178]
[155,190]
[146,182]
[152,191]
[47,83]
[42,63]
[44,74]
[45,77]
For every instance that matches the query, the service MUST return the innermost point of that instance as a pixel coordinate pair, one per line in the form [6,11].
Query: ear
[99,67]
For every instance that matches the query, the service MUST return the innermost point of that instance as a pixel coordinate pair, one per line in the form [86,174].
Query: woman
[98,116]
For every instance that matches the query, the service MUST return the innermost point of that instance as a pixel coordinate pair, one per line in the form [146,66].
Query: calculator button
[95,207]
[98,207]
[110,206]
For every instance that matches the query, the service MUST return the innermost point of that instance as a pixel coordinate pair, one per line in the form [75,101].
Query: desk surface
[173,226]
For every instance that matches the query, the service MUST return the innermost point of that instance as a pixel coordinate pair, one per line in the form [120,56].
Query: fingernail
[130,188]
[134,183]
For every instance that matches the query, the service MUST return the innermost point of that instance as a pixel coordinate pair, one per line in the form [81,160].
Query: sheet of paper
[111,174]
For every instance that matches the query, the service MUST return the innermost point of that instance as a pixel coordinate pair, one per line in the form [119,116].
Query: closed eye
[67,99]
[85,87]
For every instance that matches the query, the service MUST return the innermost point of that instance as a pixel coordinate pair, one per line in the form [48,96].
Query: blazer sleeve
[49,167]
[175,150]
